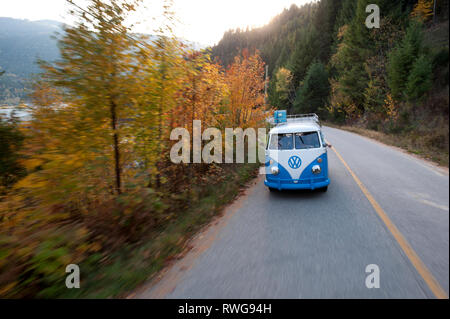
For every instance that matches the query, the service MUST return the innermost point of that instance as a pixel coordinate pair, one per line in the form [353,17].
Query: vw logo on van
[294,162]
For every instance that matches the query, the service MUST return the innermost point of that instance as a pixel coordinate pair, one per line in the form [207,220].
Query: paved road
[302,244]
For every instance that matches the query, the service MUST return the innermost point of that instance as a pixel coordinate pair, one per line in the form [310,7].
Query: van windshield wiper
[301,139]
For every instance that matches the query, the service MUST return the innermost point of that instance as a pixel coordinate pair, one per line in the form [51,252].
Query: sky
[200,21]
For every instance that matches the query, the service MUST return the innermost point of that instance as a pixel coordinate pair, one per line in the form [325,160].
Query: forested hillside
[322,58]
[22,42]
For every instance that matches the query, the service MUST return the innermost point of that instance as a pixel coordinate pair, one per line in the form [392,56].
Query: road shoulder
[423,159]
[165,281]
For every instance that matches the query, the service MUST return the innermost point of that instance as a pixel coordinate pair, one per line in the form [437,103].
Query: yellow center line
[429,279]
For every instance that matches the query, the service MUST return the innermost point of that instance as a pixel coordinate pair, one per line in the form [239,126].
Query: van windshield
[307,140]
[281,142]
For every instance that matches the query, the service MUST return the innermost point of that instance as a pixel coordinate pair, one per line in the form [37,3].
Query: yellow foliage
[32,163]
[423,10]
[391,107]
[284,83]
[30,181]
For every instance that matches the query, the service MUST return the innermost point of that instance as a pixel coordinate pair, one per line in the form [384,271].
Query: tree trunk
[116,146]
[160,119]
[158,164]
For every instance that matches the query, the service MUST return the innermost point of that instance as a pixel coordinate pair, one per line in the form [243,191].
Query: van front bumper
[298,184]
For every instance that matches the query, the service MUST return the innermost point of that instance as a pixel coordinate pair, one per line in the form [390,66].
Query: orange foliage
[245,79]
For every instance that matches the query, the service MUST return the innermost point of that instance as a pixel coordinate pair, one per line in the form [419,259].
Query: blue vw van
[296,153]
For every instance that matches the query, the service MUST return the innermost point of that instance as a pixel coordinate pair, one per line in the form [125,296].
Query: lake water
[23,115]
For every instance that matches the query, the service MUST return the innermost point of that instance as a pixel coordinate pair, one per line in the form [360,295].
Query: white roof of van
[295,127]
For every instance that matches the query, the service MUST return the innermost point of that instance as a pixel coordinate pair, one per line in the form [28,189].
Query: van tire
[323,189]
[271,189]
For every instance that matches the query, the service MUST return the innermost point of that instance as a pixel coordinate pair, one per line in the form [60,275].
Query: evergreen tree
[312,96]
[420,78]
[402,58]
[304,54]
[346,13]
[324,22]
[350,60]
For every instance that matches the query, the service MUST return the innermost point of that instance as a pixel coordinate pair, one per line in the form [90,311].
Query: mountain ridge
[22,43]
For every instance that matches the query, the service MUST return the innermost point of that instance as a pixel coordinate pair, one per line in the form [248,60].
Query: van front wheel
[323,189]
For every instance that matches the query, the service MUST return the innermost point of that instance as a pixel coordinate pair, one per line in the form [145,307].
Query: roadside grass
[132,265]
[414,144]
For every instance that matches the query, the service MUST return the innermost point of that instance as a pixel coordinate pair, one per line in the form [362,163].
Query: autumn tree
[95,68]
[245,79]
[284,86]
[160,72]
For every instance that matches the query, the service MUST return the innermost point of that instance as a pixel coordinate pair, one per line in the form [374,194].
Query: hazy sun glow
[202,21]
[206,20]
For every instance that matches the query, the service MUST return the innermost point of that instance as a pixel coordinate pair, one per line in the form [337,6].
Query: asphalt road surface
[383,207]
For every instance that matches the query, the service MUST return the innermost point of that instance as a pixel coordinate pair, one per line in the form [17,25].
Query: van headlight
[316,169]
[275,170]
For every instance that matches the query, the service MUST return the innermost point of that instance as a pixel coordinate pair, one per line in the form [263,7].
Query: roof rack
[310,117]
